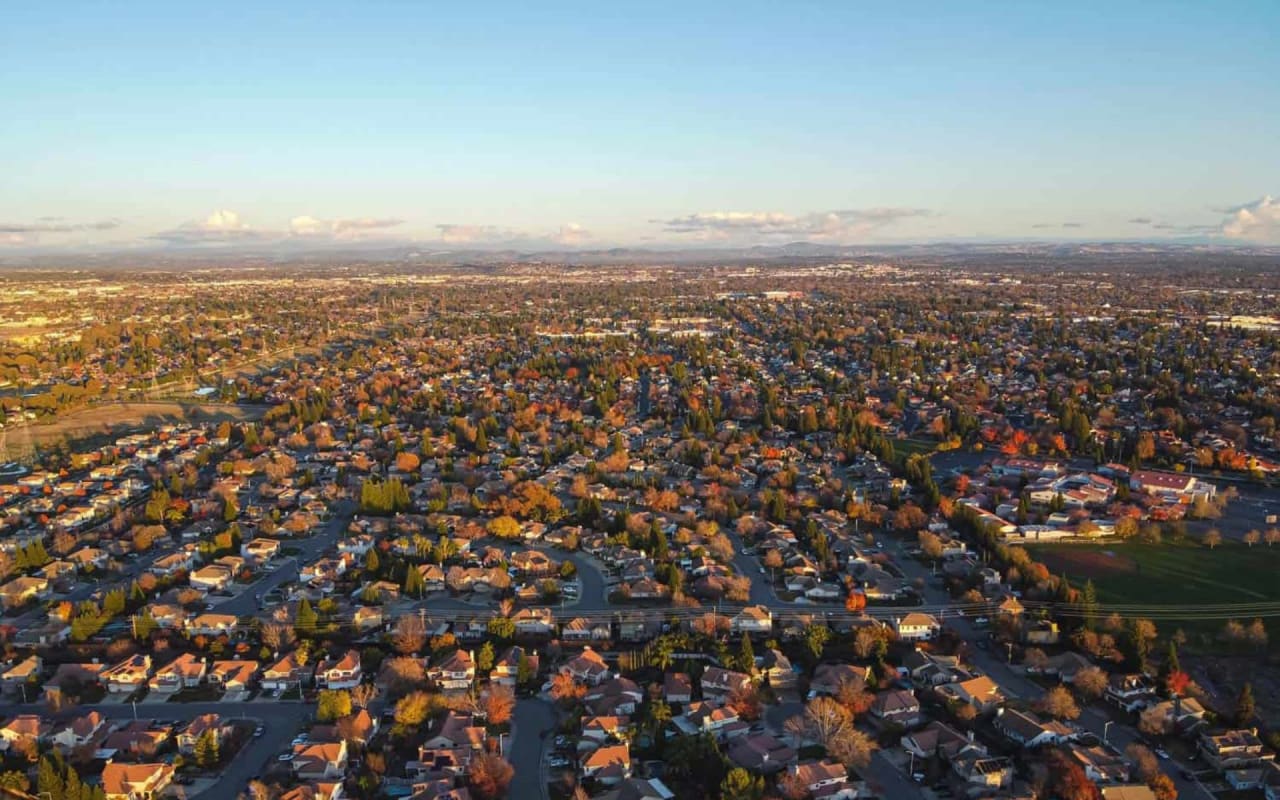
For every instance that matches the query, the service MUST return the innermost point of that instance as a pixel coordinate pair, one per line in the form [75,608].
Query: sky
[146,125]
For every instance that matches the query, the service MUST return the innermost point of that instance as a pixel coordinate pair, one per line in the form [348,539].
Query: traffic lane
[534,721]
[885,780]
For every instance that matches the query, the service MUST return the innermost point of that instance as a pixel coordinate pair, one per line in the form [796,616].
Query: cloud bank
[1255,221]
[826,225]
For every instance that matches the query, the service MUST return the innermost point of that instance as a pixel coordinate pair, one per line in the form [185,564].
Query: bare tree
[1090,682]
[278,637]
[410,634]
[1145,765]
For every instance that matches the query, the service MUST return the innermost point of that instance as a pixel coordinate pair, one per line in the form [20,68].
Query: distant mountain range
[990,253]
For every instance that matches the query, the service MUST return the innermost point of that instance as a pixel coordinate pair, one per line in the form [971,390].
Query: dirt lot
[116,419]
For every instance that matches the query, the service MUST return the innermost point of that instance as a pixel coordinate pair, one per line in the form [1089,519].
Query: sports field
[1173,574]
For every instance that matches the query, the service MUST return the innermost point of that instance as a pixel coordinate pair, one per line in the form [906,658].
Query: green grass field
[1172,574]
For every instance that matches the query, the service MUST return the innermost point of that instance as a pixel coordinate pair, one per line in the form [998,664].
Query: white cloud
[224,227]
[355,228]
[55,225]
[567,235]
[571,233]
[1258,221]
[825,225]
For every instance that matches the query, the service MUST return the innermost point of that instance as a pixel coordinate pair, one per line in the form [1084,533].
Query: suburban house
[776,671]
[897,706]
[609,764]
[212,624]
[172,564]
[1027,729]
[260,550]
[16,678]
[451,743]
[127,676]
[916,626]
[581,629]
[199,727]
[506,669]
[233,676]
[981,692]
[211,578]
[588,667]
[1233,749]
[1131,692]
[136,781]
[455,672]
[826,779]
[184,672]
[752,619]
[760,753]
[677,687]
[286,673]
[935,740]
[1101,764]
[719,682]
[26,726]
[79,731]
[614,696]
[340,673]
[828,678]
[20,591]
[320,760]
[534,621]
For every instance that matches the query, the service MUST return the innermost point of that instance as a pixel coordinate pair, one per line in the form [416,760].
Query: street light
[1106,727]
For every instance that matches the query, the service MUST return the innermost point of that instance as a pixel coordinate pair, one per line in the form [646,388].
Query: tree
[499,701]
[332,704]
[414,584]
[1212,538]
[565,690]
[206,750]
[1163,787]
[746,655]
[278,637]
[503,527]
[1153,721]
[410,634]
[405,673]
[412,709]
[829,724]
[738,784]
[1059,704]
[1145,764]
[363,694]
[489,776]
[815,638]
[503,628]
[306,619]
[1067,780]
[1245,710]
[1252,537]
[484,659]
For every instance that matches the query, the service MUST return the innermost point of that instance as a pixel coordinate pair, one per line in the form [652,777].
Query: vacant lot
[1173,574]
[115,419]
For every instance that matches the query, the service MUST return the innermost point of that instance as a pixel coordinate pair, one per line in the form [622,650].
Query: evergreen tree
[1245,706]
[414,585]
[1089,605]
[372,563]
[307,618]
[746,655]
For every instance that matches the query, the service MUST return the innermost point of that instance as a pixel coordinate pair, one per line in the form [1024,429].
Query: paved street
[534,721]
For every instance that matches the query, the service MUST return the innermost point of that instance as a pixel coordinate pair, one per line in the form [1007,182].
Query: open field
[1173,574]
[115,419]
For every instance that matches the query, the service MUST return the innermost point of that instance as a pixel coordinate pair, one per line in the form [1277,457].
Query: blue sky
[584,124]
